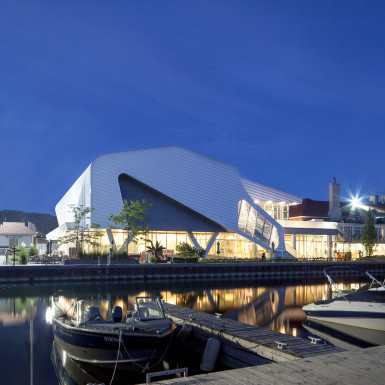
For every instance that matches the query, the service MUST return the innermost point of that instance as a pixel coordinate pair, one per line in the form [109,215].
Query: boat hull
[362,315]
[133,351]
[343,336]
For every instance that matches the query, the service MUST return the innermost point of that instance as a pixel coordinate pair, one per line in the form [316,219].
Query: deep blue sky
[290,92]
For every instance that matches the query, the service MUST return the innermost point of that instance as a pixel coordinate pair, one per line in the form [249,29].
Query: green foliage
[185,250]
[82,234]
[21,256]
[132,218]
[33,251]
[369,237]
[156,250]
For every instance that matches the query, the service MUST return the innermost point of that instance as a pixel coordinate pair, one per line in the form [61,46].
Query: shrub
[33,250]
[185,250]
[102,255]
[22,255]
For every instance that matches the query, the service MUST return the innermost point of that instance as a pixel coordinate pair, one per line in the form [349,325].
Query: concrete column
[255,250]
[294,241]
[193,239]
[210,244]
[330,246]
[111,238]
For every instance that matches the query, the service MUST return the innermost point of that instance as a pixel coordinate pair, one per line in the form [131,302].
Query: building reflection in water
[275,308]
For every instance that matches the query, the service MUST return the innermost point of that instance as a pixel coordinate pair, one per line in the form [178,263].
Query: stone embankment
[156,272]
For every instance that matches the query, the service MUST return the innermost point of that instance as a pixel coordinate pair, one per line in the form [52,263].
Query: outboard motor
[117,314]
[92,313]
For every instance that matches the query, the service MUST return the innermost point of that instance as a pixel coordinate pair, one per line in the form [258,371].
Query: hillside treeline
[44,222]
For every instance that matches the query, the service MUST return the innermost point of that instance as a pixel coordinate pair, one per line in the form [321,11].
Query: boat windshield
[92,310]
[149,308]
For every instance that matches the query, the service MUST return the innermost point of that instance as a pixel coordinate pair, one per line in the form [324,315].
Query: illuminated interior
[230,244]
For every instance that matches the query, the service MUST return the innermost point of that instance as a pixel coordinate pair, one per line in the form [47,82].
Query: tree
[369,237]
[81,234]
[132,218]
[156,250]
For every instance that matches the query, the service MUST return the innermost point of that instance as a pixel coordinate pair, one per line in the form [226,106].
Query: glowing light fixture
[355,201]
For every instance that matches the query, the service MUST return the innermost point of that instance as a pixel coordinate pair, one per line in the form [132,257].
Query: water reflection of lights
[64,358]
[49,313]
[271,308]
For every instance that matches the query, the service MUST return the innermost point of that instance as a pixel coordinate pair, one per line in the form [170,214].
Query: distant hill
[44,222]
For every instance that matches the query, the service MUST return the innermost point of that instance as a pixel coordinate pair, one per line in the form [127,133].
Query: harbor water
[26,338]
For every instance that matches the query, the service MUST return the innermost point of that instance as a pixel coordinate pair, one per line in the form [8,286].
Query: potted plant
[156,251]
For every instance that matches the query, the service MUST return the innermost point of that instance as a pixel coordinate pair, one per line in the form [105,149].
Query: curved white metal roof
[207,186]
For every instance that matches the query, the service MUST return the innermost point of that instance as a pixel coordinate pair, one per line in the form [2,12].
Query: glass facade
[277,210]
[255,225]
[310,246]
[229,245]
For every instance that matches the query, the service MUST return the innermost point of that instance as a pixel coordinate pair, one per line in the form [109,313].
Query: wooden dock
[245,345]
[355,367]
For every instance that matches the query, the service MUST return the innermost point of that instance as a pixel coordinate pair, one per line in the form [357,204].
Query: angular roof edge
[164,147]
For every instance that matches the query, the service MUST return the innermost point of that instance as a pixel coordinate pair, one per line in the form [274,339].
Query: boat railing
[341,293]
[381,284]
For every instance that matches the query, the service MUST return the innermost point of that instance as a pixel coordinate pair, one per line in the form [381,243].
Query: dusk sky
[292,93]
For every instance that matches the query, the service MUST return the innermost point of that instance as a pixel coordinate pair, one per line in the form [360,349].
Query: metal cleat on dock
[314,340]
[280,345]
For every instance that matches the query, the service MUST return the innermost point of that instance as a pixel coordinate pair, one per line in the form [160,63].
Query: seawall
[159,272]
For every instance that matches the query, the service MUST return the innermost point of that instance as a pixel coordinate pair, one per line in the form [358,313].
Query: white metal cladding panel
[207,186]
[78,194]
[264,193]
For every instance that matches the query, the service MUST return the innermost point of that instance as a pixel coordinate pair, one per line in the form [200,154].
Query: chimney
[334,201]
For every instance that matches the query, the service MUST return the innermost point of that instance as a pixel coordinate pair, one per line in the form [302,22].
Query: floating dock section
[243,345]
[291,360]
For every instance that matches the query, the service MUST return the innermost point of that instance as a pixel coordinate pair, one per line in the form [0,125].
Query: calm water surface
[26,339]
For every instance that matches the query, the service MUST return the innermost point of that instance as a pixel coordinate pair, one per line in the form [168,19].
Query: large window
[256,225]
[312,246]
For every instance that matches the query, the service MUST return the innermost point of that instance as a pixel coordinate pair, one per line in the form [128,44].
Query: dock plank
[355,367]
[261,341]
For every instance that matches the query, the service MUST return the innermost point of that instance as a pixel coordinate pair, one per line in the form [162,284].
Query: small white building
[13,234]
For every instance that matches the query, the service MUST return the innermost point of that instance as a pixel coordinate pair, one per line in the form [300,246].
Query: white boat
[345,337]
[362,308]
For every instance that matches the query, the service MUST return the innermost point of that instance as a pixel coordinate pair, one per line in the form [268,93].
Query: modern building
[202,201]
[349,218]
[194,199]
